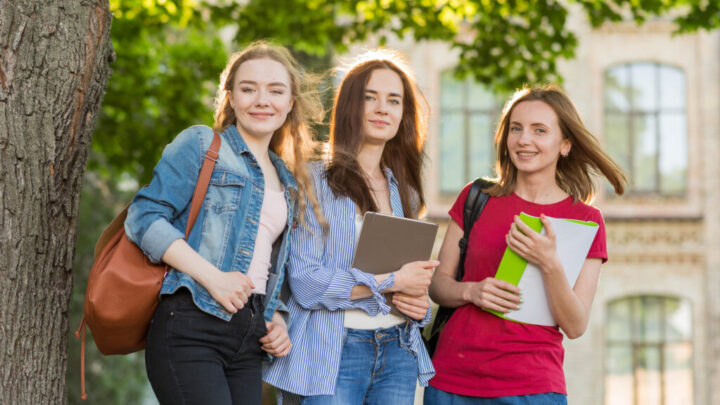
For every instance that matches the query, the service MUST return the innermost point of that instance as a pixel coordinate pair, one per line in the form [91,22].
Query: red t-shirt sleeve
[456,212]
[599,245]
[597,249]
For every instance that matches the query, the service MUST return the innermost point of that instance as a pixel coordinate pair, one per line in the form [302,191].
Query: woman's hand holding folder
[492,293]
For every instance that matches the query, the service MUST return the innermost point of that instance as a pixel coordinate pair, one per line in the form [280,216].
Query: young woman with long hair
[220,312]
[546,160]
[348,348]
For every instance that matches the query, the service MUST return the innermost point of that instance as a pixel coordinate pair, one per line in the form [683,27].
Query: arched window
[646,126]
[468,114]
[649,351]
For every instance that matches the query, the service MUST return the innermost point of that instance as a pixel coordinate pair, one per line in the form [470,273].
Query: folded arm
[317,286]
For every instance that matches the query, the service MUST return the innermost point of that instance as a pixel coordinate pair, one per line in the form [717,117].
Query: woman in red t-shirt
[545,162]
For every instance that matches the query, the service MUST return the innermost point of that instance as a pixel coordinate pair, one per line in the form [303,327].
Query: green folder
[573,241]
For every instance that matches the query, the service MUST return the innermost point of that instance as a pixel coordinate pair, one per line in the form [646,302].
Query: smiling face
[383,106]
[261,97]
[535,141]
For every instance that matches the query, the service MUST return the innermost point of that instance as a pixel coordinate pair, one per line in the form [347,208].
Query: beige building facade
[653,99]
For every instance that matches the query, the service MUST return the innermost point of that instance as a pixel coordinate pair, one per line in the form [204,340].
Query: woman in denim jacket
[347,348]
[219,310]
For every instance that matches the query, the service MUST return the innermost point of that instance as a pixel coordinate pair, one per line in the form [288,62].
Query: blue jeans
[434,396]
[376,367]
[192,357]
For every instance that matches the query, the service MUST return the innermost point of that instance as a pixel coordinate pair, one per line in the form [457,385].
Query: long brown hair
[403,154]
[294,141]
[575,171]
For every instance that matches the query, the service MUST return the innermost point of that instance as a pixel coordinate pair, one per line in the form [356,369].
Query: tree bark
[54,67]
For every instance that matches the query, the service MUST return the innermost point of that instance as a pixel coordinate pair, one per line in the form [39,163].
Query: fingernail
[522,300]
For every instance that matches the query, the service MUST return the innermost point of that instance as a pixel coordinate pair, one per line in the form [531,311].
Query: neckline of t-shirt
[563,201]
[362,216]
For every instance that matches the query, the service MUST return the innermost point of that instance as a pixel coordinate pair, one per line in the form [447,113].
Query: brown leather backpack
[123,287]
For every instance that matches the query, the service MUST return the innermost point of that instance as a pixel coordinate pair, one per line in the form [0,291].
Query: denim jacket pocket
[224,191]
[222,216]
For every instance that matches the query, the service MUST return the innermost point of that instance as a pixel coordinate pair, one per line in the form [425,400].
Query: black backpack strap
[474,204]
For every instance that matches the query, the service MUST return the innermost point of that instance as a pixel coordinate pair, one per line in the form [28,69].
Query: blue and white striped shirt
[321,279]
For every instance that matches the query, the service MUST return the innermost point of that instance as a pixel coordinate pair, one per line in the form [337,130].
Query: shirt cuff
[427,319]
[368,280]
[157,239]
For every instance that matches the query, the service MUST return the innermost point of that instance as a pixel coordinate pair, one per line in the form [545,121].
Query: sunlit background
[651,96]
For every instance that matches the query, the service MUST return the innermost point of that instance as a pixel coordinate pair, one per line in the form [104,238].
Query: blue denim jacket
[227,225]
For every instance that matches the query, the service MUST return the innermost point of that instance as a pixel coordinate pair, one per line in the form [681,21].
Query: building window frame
[633,114]
[641,347]
[467,111]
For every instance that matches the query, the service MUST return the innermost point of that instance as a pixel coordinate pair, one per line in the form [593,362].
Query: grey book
[387,242]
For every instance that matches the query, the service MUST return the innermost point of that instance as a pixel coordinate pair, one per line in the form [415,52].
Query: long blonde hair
[294,141]
[575,171]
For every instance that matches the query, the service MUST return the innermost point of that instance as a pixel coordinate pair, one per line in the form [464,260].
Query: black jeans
[192,357]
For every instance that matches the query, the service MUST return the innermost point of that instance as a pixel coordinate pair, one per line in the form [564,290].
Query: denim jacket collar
[239,146]
[283,172]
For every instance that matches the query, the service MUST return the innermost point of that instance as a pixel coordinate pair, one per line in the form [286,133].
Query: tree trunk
[54,67]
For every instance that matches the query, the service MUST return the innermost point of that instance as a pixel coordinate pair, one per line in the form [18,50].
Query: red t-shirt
[482,355]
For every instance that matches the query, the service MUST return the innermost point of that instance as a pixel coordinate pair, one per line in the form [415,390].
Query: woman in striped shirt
[347,347]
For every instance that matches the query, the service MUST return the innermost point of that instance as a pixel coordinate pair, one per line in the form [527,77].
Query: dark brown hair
[403,154]
[294,141]
[575,171]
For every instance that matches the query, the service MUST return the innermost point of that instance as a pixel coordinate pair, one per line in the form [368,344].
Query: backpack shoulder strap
[473,211]
[474,204]
[203,181]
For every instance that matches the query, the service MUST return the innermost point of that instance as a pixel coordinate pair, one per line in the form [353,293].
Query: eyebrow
[255,83]
[534,124]
[391,94]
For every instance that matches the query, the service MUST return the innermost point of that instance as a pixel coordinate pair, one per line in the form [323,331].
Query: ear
[228,94]
[565,147]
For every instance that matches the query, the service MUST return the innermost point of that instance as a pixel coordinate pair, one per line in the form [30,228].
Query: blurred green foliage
[169,54]
[168,60]
[163,79]
[502,43]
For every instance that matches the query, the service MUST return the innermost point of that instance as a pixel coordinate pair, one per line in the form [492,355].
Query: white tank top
[273,217]
[359,319]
